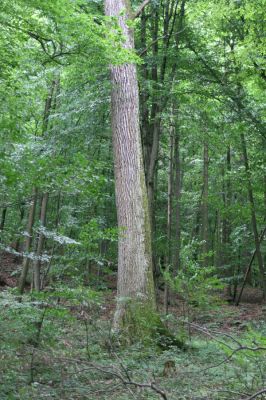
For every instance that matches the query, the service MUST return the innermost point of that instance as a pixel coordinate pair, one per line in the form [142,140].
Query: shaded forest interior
[132,199]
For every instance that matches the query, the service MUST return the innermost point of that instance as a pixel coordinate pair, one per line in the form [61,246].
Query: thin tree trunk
[169,215]
[22,213]
[135,277]
[3,219]
[152,165]
[248,270]
[177,200]
[158,79]
[153,136]
[218,242]
[49,106]
[57,221]
[215,235]
[205,223]
[40,244]
[226,226]
[236,275]
[253,216]
[155,254]
[28,241]
[152,121]
[46,114]
[144,96]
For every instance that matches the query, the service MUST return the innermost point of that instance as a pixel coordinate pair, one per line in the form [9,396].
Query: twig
[208,333]
[117,374]
[249,268]
[144,51]
[233,350]
[231,392]
[256,394]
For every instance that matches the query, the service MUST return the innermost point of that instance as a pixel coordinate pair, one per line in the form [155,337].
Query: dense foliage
[202,80]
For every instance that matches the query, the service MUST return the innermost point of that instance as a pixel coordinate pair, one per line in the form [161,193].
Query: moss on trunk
[139,322]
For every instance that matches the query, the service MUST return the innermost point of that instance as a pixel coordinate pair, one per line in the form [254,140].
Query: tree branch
[262,391]
[141,8]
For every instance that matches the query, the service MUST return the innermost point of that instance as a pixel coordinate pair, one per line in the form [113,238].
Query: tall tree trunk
[177,200]
[45,126]
[152,141]
[226,226]
[168,258]
[40,244]
[152,121]
[253,216]
[205,222]
[144,96]
[28,241]
[135,277]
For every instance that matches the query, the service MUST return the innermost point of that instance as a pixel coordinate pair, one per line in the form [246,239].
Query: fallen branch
[112,371]
[262,391]
[212,334]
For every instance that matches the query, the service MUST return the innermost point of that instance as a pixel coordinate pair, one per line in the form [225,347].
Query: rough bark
[135,278]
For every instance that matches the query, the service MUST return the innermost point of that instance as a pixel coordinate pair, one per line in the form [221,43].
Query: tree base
[136,321]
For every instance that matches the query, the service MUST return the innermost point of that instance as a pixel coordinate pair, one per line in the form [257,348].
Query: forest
[133,199]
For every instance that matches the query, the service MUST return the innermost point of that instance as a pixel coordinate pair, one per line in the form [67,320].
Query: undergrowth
[59,345]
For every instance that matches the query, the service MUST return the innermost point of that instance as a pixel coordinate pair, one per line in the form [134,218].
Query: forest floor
[59,346]
[8,268]
[229,317]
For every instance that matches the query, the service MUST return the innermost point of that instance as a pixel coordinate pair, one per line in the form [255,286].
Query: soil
[9,270]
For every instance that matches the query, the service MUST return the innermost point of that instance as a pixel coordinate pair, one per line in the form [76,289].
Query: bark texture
[135,278]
